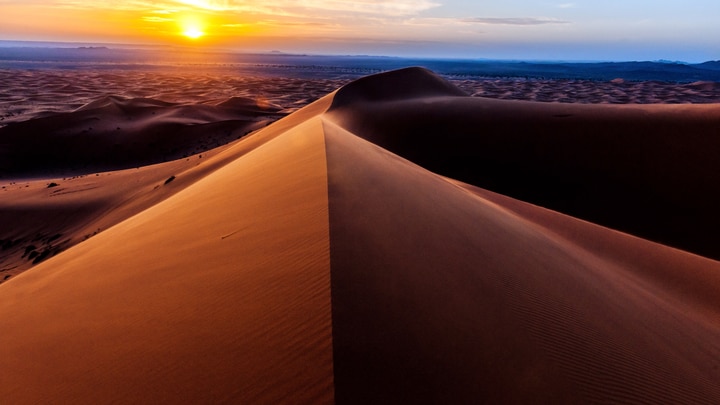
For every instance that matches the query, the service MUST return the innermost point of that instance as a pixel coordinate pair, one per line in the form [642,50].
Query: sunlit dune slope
[43,217]
[220,293]
[314,265]
[651,170]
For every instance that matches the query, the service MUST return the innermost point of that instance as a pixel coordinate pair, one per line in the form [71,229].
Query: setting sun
[192,28]
[193,32]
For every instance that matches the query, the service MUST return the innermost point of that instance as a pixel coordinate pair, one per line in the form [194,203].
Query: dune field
[395,241]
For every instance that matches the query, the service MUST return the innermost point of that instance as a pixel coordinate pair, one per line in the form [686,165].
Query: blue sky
[509,29]
[609,29]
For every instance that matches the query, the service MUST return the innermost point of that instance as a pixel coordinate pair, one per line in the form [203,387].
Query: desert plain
[398,238]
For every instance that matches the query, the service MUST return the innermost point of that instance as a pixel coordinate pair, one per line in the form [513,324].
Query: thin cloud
[382,7]
[512,21]
[297,8]
[212,5]
[157,19]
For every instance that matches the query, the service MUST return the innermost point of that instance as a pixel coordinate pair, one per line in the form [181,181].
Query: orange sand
[217,294]
[319,260]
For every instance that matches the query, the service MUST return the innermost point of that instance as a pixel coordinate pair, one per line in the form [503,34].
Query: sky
[683,30]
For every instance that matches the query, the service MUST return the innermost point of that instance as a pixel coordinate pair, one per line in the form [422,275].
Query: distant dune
[385,244]
[115,133]
[45,91]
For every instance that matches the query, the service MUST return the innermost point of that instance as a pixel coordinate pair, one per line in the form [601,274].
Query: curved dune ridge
[649,170]
[319,260]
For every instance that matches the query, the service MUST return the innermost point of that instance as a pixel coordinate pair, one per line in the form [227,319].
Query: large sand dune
[651,170]
[319,260]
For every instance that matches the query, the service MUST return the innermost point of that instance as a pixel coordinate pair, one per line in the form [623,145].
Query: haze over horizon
[548,30]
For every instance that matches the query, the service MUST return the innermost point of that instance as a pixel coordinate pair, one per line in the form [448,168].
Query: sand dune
[115,133]
[650,170]
[36,93]
[43,217]
[442,296]
[245,319]
[617,91]
[319,260]
[58,196]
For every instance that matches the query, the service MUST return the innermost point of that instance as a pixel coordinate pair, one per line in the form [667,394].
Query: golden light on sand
[307,261]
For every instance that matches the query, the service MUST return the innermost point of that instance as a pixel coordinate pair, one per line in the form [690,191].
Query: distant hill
[711,65]
[14,54]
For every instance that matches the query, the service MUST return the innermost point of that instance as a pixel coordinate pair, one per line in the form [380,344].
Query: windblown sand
[385,244]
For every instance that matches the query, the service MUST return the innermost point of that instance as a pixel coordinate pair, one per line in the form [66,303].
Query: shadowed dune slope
[314,266]
[115,133]
[440,295]
[650,170]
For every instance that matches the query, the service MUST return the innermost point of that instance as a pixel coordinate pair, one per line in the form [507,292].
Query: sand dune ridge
[331,257]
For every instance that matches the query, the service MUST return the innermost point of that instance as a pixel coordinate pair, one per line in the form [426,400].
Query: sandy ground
[115,133]
[245,320]
[368,249]
[26,94]
[617,91]
[643,169]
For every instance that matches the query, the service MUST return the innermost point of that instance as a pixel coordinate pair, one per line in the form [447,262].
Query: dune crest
[649,170]
[122,103]
[331,258]
[401,84]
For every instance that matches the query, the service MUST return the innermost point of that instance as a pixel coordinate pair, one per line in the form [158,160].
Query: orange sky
[223,22]
[156,22]
[551,29]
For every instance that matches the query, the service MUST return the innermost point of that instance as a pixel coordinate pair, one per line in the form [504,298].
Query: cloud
[213,5]
[381,7]
[156,19]
[512,21]
[566,5]
[297,8]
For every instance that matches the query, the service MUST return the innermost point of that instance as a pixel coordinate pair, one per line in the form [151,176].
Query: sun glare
[192,28]
[193,32]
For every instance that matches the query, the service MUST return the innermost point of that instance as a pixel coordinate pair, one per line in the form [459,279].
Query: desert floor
[400,238]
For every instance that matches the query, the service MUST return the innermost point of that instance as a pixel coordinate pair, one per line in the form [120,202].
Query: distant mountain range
[14,54]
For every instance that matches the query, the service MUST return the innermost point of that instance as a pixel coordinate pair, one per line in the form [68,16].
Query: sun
[192,27]
[193,32]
